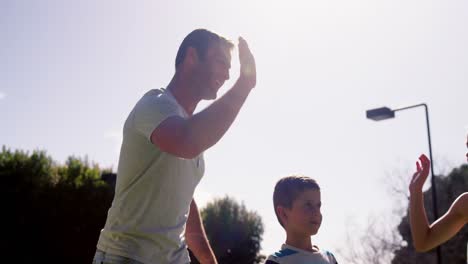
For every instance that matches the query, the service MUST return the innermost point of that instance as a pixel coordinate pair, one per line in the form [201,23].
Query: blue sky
[71,71]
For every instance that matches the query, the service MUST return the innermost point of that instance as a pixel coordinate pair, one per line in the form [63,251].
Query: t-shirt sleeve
[270,260]
[151,111]
[331,258]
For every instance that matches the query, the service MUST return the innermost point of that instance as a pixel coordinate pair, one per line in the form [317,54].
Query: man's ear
[282,213]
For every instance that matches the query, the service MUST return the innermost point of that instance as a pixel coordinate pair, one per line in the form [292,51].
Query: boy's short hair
[287,190]
[201,40]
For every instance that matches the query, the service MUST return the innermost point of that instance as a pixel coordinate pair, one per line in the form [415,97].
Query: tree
[54,213]
[234,233]
[454,250]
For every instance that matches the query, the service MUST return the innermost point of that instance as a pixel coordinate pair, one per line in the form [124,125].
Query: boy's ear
[282,214]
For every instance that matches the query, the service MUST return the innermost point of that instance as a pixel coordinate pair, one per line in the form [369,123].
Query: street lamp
[383,113]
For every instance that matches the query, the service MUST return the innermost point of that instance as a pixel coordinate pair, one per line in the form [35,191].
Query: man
[153,217]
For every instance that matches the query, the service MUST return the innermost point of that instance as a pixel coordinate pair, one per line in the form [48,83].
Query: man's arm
[196,238]
[426,237]
[189,137]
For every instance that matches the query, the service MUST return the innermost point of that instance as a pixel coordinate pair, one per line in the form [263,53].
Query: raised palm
[248,72]
[420,176]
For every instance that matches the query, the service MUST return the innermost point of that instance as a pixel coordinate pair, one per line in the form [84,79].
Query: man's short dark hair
[200,40]
[289,188]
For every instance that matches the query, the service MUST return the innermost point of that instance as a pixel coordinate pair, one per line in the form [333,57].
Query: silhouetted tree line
[52,213]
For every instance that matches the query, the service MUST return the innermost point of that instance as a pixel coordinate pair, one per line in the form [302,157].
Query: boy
[297,206]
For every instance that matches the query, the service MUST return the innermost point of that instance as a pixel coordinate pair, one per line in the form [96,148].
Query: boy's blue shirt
[292,255]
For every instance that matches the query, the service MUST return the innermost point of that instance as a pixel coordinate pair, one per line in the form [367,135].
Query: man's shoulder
[156,99]
[155,94]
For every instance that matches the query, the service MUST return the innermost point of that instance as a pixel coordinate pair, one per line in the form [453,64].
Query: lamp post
[383,113]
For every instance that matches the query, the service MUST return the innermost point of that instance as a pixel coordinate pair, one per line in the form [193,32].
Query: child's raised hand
[420,176]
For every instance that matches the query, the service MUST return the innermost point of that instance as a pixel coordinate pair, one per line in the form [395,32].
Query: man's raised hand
[248,71]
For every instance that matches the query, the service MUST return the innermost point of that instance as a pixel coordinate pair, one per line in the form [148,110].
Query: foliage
[234,233]
[57,210]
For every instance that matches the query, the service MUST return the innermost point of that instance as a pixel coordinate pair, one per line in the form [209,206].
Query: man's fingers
[242,42]
[244,51]
[418,167]
[246,59]
[242,45]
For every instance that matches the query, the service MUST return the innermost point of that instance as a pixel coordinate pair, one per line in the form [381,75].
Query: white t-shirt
[154,189]
[293,255]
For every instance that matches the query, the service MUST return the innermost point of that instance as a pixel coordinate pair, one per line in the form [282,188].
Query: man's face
[213,71]
[304,218]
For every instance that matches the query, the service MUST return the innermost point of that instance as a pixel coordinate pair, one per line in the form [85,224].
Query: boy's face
[304,217]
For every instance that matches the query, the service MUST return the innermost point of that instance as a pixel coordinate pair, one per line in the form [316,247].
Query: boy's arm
[187,138]
[426,237]
[196,238]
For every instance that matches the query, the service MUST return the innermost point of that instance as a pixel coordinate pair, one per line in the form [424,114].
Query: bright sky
[70,72]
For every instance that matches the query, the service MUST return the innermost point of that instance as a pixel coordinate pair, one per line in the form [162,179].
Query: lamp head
[378,114]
